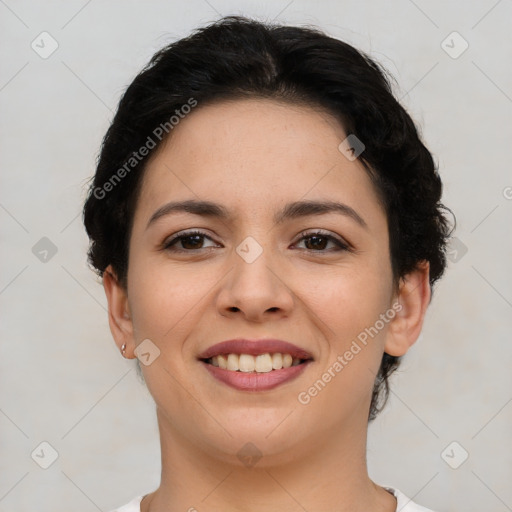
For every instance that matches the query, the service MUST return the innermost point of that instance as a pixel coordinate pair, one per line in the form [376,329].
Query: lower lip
[252,381]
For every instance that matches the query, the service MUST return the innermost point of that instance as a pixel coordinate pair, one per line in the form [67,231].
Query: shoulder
[404,503]
[132,506]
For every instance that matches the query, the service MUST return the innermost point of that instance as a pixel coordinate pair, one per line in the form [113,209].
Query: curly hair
[237,57]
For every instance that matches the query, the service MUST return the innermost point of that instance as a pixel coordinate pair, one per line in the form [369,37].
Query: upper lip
[255,347]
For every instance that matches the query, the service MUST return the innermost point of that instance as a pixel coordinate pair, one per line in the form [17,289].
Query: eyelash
[341,246]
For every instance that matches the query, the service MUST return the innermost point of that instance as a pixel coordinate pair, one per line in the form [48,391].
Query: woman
[268,227]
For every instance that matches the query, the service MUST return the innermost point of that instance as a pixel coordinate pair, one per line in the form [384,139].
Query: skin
[254,156]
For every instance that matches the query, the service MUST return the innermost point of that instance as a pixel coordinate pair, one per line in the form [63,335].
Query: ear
[119,317]
[414,297]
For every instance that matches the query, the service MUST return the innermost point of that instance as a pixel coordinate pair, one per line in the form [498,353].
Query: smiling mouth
[247,363]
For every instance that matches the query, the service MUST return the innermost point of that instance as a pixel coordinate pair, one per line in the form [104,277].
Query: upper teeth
[247,363]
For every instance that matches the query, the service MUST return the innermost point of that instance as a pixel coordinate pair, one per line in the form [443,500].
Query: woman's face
[247,276]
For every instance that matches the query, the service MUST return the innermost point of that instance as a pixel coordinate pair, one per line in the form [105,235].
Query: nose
[255,290]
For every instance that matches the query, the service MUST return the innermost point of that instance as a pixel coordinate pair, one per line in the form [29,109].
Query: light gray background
[62,379]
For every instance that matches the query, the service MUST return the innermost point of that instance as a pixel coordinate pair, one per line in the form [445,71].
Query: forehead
[254,154]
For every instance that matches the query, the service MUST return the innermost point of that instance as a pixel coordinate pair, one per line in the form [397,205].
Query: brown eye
[318,241]
[314,242]
[189,241]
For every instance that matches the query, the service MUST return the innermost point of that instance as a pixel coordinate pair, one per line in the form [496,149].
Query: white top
[404,504]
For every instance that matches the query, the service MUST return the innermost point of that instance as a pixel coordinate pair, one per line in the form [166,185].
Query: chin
[262,443]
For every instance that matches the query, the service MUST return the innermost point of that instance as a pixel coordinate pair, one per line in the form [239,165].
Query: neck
[330,476]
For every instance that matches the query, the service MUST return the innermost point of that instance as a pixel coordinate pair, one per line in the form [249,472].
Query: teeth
[277,361]
[233,362]
[246,363]
[262,363]
[222,361]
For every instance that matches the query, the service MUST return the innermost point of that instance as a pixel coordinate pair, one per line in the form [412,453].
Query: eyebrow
[293,210]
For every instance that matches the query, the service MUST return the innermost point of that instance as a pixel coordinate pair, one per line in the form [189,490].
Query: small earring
[123,348]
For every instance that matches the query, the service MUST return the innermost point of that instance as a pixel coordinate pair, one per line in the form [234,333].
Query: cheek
[162,298]
[354,298]
[351,308]
[168,302]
